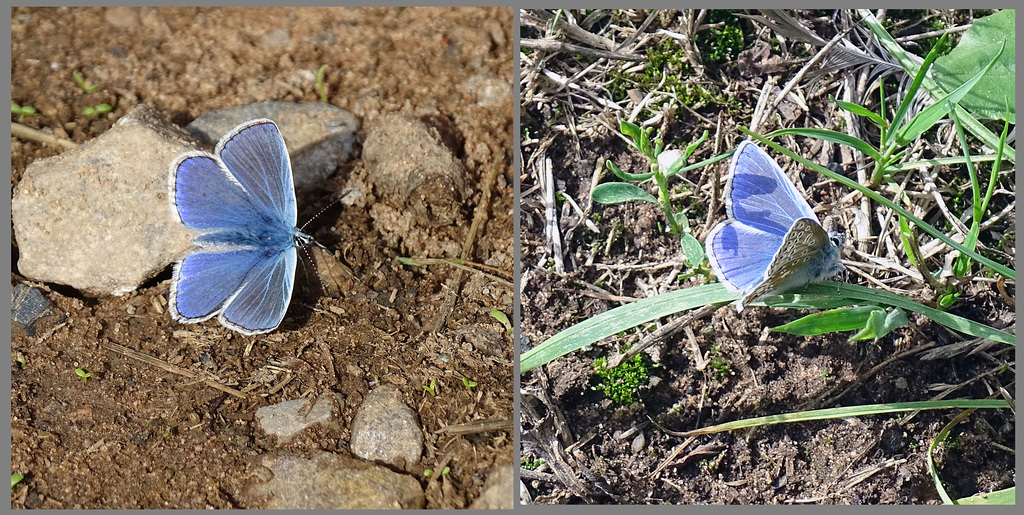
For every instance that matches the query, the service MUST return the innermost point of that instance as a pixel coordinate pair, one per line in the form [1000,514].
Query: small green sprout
[22,111]
[467,383]
[83,374]
[445,471]
[15,479]
[432,390]
[428,472]
[500,317]
[320,86]
[21,359]
[100,109]
[84,84]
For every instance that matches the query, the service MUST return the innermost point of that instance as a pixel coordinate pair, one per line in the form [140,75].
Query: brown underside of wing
[802,243]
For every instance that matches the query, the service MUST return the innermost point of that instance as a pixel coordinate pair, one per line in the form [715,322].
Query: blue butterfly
[770,241]
[241,199]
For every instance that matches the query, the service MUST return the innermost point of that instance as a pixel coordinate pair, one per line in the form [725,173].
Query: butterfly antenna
[349,192]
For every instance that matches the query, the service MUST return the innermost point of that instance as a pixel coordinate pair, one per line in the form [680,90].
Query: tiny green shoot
[83,374]
[321,88]
[501,317]
[432,389]
[22,111]
[467,383]
[97,110]
[15,479]
[84,84]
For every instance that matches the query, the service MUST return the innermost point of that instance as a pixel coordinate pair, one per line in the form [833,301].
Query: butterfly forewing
[257,157]
[206,197]
[760,195]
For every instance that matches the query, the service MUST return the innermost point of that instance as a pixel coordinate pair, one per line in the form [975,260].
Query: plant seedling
[467,383]
[320,86]
[432,389]
[83,374]
[22,111]
[98,110]
[500,317]
[84,84]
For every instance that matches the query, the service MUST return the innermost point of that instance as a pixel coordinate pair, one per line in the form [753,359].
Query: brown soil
[135,436]
[610,453]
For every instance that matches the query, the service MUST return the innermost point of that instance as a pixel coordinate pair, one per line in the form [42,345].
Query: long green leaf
[830,321]
[621,318]
[851,411]
[630,315]
[834,137]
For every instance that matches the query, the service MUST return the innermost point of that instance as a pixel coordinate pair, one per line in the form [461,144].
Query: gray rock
[97,217]
[498,492]
[31,311]
[386,430]
[27,304]
[328,481]
[318,135]
[285,419]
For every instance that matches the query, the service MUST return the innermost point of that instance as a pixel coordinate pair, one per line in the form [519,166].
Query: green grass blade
[621,318]
[849,411]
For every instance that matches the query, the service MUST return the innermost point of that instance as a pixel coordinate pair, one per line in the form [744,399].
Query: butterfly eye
[837,238]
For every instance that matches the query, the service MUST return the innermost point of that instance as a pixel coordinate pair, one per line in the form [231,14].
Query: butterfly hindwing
[260,303]
[739,269]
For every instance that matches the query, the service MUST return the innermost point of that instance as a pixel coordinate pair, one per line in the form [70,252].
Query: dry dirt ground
[135,436]
[722,367]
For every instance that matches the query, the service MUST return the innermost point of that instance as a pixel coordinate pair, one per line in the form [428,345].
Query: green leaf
[994,95]
[627,176]
[833,320]
[927,118]
[631,130]
[858,110]
[618,192]
[834,137]
[899,117]
[909,241]
[692,248]
[630,315]
[645,142]
[881,323]
[1001,497]
[501,317]
[621,318]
